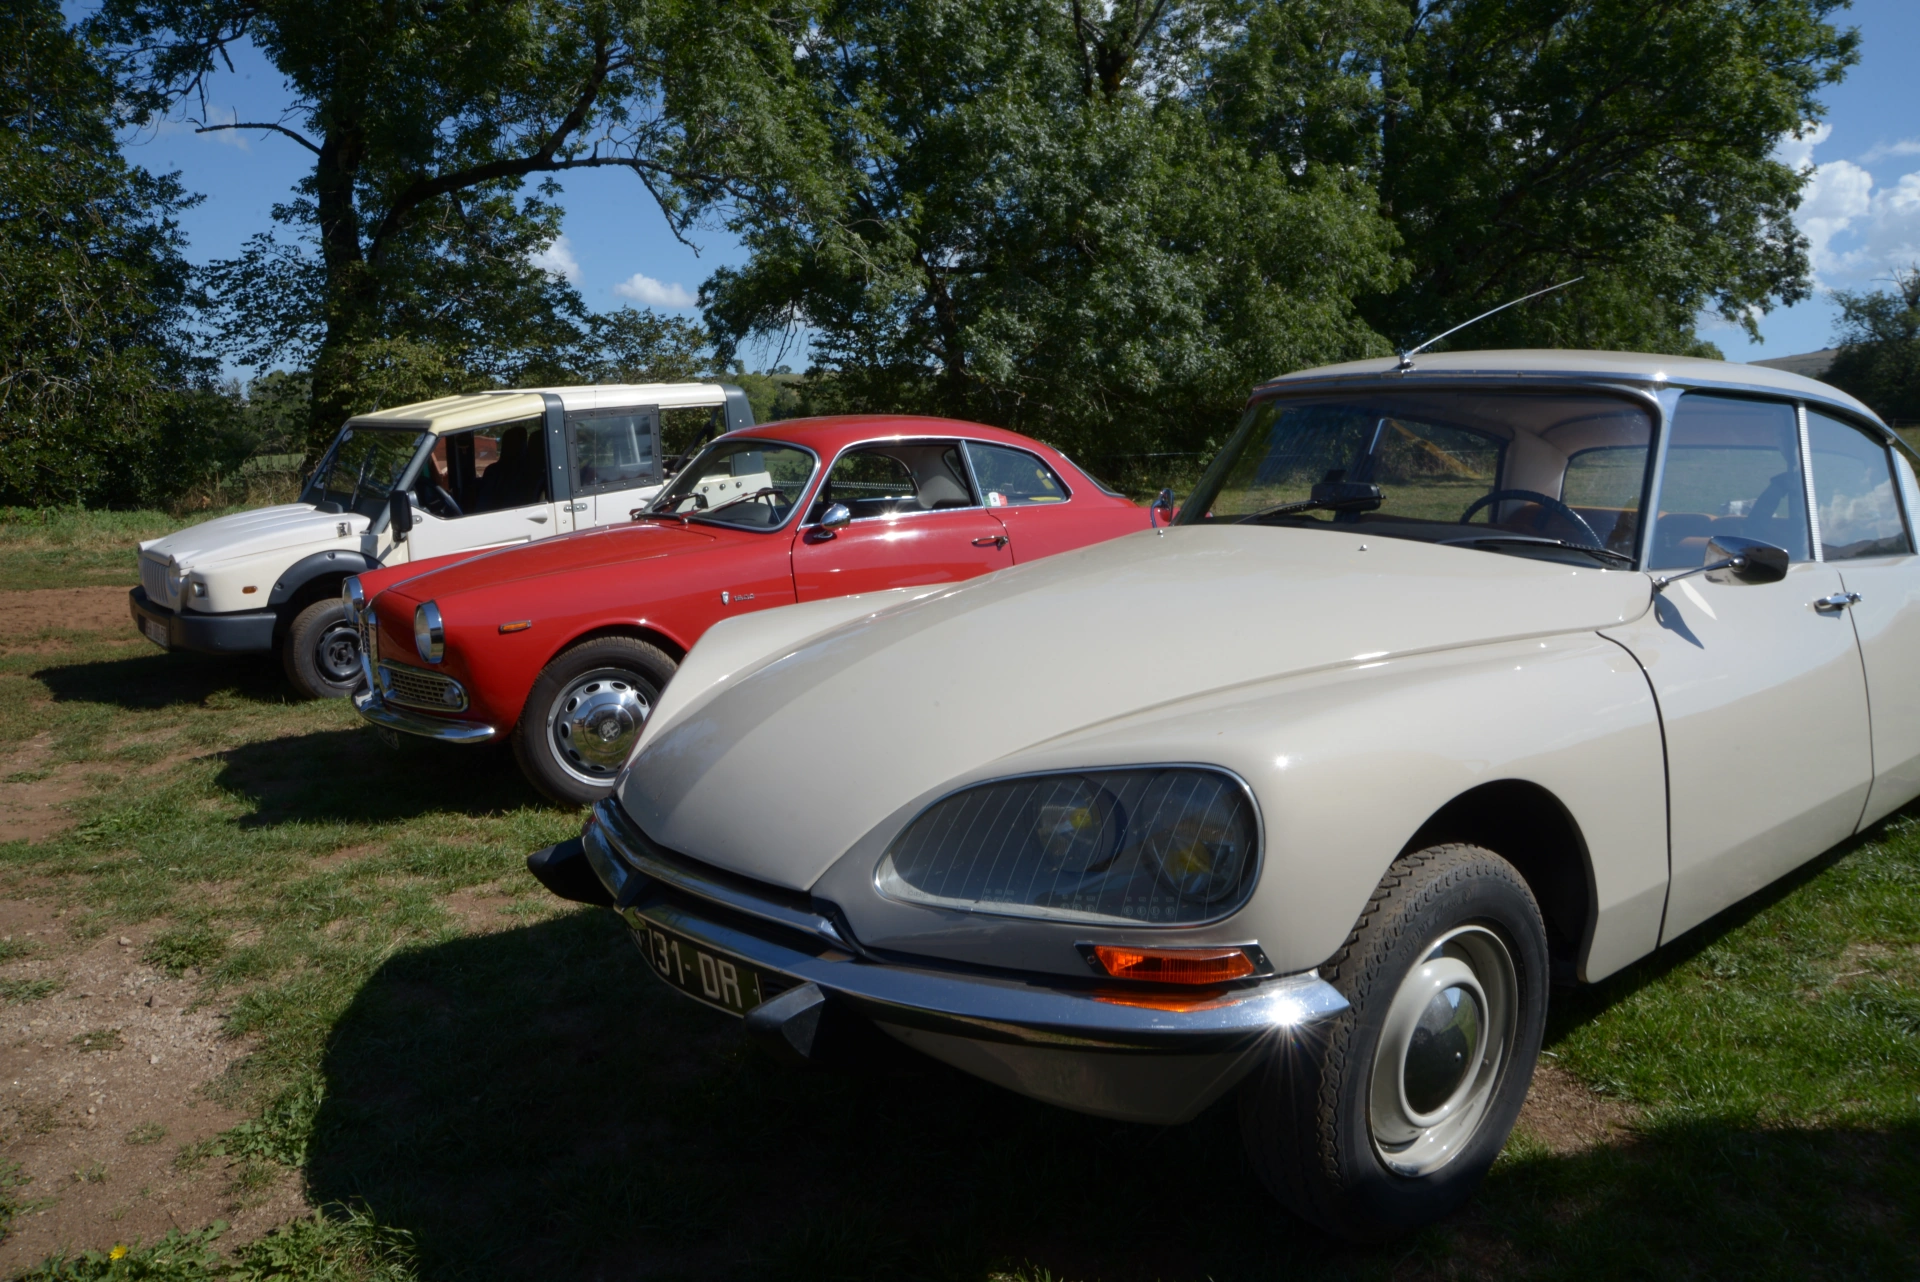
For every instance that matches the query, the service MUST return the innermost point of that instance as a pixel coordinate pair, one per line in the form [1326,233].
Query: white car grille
[428,691]
[153,577]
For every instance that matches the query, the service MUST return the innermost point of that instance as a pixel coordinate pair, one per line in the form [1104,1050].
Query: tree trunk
[349,289]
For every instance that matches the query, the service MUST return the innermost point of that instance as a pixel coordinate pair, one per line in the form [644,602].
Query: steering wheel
[1548,504]
[448,500]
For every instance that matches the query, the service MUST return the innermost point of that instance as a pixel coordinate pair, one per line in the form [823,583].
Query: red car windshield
[750,484]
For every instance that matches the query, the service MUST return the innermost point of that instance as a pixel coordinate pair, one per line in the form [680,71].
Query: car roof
[1558,365]
[832,433]
[477,409]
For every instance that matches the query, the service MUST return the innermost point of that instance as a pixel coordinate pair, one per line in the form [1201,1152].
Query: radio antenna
[1406,358]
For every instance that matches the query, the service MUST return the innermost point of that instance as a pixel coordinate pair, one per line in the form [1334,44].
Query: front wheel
[322,651]
[1388,1116]
[584,714]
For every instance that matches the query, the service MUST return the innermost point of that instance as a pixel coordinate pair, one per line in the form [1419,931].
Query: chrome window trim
[1806,480]
[972,483]
[1246,789]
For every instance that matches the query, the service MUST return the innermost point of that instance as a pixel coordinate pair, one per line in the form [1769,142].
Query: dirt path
[74,609]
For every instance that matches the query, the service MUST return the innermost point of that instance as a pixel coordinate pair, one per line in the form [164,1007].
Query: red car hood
[619,545]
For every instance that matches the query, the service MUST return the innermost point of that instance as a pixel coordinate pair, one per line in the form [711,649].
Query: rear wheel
[1390,1114]
[322,651]
[584,714]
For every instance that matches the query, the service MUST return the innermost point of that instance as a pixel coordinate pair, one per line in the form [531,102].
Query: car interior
[895,479]
[488,469]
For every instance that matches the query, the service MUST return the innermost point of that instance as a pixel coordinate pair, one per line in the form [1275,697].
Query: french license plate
[700,973]
[156,631]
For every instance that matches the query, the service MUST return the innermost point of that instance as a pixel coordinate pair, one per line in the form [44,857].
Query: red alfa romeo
[565,644]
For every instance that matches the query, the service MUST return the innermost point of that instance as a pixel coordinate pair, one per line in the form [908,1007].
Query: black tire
[321,653]
[1313,1116]
[583,714]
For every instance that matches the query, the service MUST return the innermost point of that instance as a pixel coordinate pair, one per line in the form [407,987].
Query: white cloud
[1839,192]
[558,258]
[1880,151]
[1857,230]
[652,293]
[1797,153]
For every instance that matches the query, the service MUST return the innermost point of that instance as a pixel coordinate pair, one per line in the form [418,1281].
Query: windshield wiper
[1329,496]
[1608,554]
[760,493]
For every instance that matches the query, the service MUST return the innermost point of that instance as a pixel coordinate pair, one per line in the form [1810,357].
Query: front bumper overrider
[1112,1050]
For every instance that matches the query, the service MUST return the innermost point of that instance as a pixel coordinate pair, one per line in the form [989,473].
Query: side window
[613,451]
[485,470]
[1856,508]
[1014,478]
[1733,467]
[895,479]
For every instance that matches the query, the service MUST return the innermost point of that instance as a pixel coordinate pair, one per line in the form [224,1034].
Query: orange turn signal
[521,626]
[1175,965]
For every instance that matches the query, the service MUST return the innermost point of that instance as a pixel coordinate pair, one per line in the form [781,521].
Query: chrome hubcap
[337,654]
[594,722]
[1448,1033]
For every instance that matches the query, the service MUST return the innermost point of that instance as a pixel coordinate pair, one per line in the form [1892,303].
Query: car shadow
[353,776]
[159,680]
[533,1104]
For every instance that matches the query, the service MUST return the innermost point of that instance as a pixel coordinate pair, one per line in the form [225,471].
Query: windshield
[1557,474]
[752,484]
[361,469]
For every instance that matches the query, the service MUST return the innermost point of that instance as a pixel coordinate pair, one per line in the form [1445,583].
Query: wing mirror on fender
[400,508]
[1741,560]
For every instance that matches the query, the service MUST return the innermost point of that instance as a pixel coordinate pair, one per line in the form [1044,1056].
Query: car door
[1860,490]
[915,519]
[483,488]
[615,460]
[1761,696]
[1028,496]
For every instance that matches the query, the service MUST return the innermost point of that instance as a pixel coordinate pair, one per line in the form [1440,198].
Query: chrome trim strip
[1806,480]
[613,848]
[373,708]
[1008,1009]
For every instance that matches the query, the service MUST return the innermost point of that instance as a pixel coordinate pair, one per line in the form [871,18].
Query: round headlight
[352,593]
[1161,845]
[429,635]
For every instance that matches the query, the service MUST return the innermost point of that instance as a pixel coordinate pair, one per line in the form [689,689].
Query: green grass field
[476,1081]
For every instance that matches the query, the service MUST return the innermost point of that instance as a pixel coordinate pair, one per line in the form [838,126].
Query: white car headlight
[1160,845]
[429,635]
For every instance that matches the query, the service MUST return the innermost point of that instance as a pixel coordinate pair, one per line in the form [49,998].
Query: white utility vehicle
[458,474]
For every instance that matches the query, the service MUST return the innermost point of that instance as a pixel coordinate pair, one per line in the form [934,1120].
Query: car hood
[585,550]
[263,530]
[784,763]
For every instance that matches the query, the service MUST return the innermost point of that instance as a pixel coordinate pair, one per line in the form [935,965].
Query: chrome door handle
[997,541]
[1836,603]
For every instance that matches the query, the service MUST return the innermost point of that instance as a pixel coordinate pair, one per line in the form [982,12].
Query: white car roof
[1623,367]
[476,409]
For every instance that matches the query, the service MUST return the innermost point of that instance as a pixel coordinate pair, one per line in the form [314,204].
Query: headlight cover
[429,634]
[1172,845]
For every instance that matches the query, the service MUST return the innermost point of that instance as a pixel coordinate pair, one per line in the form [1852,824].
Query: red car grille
[428,691]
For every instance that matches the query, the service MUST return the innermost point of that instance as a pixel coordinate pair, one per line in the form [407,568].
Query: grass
[497,1088]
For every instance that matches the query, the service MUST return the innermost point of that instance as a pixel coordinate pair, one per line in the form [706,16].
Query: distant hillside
[1811,364]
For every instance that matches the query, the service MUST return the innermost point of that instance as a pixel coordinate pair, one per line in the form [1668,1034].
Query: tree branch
[260,124]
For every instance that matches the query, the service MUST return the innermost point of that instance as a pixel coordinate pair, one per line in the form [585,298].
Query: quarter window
[1733,467]
[1014,478]
[1853,489]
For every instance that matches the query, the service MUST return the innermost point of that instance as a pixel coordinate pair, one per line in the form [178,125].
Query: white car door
[1859,486]
[483,488]
[1761,696]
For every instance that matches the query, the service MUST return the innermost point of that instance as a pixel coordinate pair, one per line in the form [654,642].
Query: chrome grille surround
[428,691]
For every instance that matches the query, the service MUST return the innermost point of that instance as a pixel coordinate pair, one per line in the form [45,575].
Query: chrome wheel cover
[593,724]
[336,653]
[1448,1034]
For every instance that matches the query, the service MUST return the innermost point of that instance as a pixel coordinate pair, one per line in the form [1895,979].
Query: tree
[408,264]
[101,393]
[1879,339]
[1046,231]
[1526,142]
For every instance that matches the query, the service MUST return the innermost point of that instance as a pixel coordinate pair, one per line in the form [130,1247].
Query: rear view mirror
[836,517]
[400,509]
[1746,560]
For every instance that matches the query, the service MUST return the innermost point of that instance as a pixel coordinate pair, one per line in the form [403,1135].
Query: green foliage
[1879,337]
[174,951]
[101,397]
[11,1204]
[177,1257]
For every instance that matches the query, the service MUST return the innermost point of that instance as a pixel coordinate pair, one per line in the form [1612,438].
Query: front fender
[308,568]
[1347,764]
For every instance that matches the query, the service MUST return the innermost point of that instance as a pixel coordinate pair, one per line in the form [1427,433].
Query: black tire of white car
[321,653]
[1388,1116]
[585,711]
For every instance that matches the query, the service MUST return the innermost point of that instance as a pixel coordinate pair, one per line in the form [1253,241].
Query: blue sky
[1862,210]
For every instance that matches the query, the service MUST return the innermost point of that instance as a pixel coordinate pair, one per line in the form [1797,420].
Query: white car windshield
[752,484]
[1557,474]
[361,468]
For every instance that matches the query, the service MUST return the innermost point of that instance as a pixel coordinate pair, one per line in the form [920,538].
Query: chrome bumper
[1085,1048]
[370,705]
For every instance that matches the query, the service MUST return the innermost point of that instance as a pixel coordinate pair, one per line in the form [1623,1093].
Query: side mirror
[835,518]
[1161,507]
[400,515]
[1746,560]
